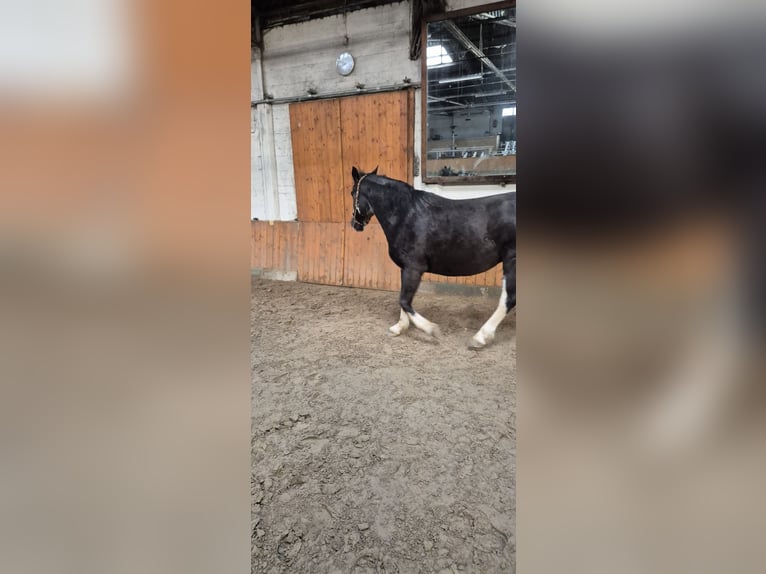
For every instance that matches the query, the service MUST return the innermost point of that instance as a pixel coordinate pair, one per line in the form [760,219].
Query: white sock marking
[487,331]
[423,324]
[402,325]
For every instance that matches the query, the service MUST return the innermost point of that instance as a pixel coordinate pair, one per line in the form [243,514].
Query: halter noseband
[356,197]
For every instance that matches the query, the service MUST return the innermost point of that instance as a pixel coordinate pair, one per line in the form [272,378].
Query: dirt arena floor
[374,453]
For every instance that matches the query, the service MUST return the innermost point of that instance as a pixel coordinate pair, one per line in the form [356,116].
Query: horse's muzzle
[357,225]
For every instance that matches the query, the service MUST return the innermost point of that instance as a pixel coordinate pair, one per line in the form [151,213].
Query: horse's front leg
[410,283]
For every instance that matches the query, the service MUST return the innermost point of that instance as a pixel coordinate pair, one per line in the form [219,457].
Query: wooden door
[329,137]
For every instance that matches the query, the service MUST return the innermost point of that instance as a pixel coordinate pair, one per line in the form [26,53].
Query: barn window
[437,56]
[469,96]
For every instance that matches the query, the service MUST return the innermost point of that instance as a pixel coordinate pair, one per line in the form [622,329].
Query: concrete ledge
[274,274]
[464,290]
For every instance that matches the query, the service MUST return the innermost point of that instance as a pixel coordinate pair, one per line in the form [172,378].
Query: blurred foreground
[124,287]
[641,289]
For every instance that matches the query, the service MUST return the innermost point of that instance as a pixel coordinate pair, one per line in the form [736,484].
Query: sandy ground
[374,453]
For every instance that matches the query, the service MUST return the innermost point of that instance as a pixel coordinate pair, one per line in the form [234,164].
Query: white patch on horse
[487,331]
[424,324]
[402,325]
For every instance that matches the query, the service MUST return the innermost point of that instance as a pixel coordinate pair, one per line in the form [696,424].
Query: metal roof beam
[437,99]
[466,41]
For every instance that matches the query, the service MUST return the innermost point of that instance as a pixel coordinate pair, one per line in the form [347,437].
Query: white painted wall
[302,56]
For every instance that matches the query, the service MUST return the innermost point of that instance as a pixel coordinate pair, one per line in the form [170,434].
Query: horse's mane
[386,181]
[402,187]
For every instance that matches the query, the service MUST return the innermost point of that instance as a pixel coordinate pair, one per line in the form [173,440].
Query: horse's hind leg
[410,284]
[507,302]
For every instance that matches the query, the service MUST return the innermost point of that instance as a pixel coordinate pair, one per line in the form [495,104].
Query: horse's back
[466,237]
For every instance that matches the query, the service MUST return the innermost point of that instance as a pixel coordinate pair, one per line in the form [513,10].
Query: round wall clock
[344,64]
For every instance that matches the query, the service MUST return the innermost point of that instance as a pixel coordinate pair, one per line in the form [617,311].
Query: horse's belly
[461,264]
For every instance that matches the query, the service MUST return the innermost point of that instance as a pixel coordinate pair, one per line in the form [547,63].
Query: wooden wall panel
[319,185]
[281,245]
[274,245]
[320,252]
[366,261]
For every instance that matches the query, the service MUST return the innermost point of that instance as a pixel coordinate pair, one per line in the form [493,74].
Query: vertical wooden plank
[375,275]
[319,253]
[411,136]
[336,194]
[337,257]
[279,233]
[326,256]
[291,247]
[322,245]
[354,278]
[255,258]
[489,277]
[279,245]
[265,245]
[276,252]
[254,245]
[274,246]
[312,250]
[403,139]
[258,245]
[289,244]
[268,242]
[303,256]
[368,261]
[275,262]
[341,254]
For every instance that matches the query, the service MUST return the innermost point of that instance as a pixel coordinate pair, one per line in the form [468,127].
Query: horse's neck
[390,206]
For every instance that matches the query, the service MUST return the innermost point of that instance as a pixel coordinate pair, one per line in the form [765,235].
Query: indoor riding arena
[373,452]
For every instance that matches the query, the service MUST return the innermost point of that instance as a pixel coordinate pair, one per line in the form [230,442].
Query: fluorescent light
[461,79]
[509,111]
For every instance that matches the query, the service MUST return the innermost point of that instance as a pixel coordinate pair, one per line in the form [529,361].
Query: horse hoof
[436,333]
[477,343]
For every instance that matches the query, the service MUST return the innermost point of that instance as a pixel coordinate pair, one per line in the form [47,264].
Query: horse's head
[362,208]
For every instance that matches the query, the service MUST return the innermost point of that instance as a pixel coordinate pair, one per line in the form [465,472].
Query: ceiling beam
[437,99]
[275,13]
[466,41]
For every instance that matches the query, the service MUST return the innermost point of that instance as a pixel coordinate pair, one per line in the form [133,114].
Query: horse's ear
[355,173]
[375,171]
